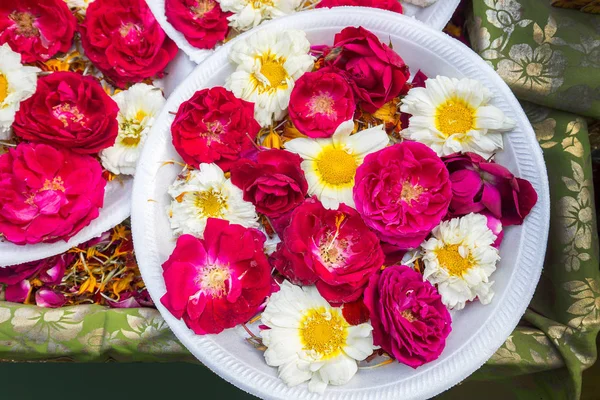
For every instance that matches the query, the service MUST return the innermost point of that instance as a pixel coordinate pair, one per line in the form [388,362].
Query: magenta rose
[332,249]
[69,110]
[47,194]
[376,72]
[275,183]
[402,192]
[479,185]
[202,22]
[320,102]
[38,29]
[409,320]
[124,41]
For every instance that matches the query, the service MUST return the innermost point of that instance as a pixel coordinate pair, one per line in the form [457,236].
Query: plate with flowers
[199,26]
[79,91]
[342,203]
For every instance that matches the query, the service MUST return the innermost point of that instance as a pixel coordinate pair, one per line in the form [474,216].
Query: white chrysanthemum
[330,164]
[80,6]
[248,14]
[17,83]
[311,341]
[459,258]
[206,193]
[451,115]
[138,107]
[268,64]
[410,257]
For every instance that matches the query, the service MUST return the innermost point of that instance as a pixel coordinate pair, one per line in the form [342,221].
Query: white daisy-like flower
[268,64]
[205,193]
[330,163]
[410,257]
[17,83]
[311,341]
[80,6]
[460,258]
[248,14]
[138,108]
[451,115]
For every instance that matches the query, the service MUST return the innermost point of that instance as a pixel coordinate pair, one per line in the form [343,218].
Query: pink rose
[402,192]
[49,298]
[377,73]
[38,29]
[320,102]
[479,185]
[124,41]
[409,320]
[220,281]
[390,5]
[275,183]
[202,22]
[332,249]
[47,194]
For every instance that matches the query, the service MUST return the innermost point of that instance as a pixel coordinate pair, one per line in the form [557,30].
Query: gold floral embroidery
[507,354]
[544,132]
[151,331]
[587,305]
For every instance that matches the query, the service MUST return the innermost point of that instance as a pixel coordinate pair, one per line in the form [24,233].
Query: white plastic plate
[117,205]
[437,16]
[477,331]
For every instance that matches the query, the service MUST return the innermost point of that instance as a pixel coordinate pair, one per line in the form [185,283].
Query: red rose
[409,320]
[124,41]
[479,185]
[332,249]
[390,5]
[275,184]
[202,22]
[376,72]
[214,126]
[69,110]
[36,29]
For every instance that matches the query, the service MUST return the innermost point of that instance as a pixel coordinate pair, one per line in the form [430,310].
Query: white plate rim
[490,336]
[439,19]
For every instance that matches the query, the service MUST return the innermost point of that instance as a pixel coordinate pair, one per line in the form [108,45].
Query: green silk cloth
[550,57]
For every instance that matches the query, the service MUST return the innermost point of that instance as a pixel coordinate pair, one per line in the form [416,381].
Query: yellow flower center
[256,4]
[323,331]
[408,315]
[3,88]
[271,67]
[213,133]
[68,113]
[202,7]
[410,193]
[454,116]
[211,203]
[336,167]
[451,260]
[213,280]
[54,184]
[24,22]
[321,104]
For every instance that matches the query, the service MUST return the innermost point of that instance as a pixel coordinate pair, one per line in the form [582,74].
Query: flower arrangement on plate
[200,25]
[77,98]
[340,203]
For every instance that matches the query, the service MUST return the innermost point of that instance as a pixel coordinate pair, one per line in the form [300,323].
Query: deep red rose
[390,5]
[36,29]
[409,320]
[202,22]
[69,110]
[220,281]
[124,41]
[275,184]
[332,249]
[375,71]
[214,126]
[478,185]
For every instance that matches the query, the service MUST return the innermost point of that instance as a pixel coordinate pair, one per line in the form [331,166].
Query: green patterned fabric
[551,59]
